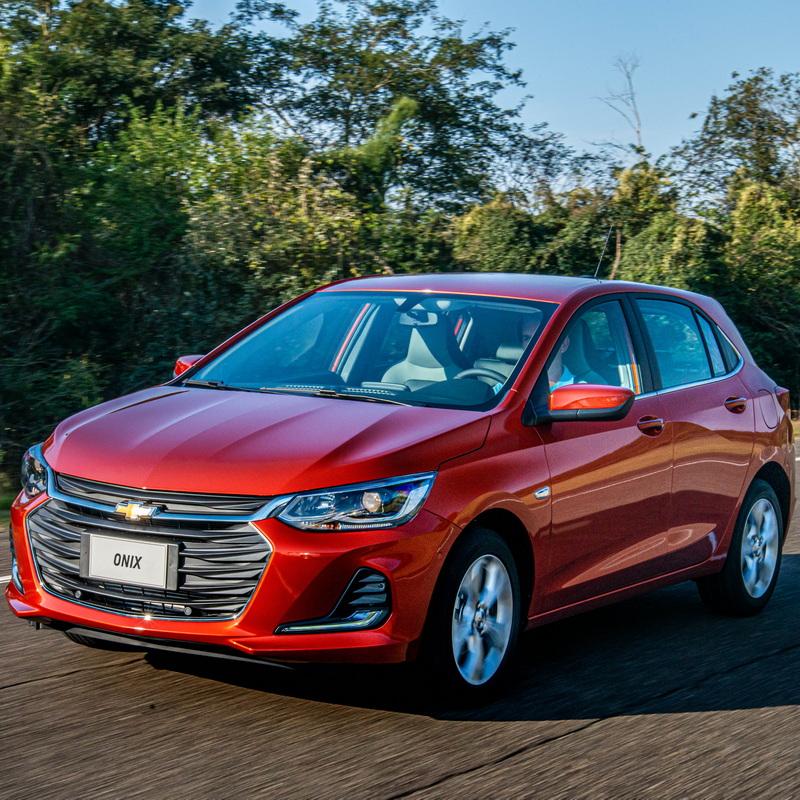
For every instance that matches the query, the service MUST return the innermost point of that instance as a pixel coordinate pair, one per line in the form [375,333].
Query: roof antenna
[608,236]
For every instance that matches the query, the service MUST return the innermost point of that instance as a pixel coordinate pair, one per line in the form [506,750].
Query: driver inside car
[570,364]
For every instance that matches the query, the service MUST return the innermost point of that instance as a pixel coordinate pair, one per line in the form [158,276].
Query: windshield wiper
[348,396]
[204,384]
[215,385]
[316,392]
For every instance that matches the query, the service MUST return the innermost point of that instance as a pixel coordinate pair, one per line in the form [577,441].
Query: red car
[414,468]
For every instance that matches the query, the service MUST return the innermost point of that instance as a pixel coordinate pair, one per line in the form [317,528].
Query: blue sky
[687,50]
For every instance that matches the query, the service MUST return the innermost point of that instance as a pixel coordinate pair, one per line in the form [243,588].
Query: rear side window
[714,350]
[732,357]
[678,345]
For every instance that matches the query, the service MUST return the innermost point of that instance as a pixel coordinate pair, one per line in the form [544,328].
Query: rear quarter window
[714,349]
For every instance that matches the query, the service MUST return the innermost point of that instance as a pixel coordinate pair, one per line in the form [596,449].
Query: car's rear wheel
[751,568]
[474,620]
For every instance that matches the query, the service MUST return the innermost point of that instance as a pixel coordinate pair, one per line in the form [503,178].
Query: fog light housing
[15,578]
[365,604]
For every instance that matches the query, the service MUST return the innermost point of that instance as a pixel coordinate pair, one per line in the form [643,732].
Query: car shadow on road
[659,653]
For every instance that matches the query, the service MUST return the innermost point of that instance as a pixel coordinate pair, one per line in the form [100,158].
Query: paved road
[654,697]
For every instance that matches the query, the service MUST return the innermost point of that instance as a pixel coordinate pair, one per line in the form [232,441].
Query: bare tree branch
[624,100]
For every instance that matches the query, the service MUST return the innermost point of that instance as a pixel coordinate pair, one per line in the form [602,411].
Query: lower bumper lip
[167,645]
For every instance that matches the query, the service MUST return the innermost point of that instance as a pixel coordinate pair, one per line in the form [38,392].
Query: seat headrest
[509,352]
[428,348]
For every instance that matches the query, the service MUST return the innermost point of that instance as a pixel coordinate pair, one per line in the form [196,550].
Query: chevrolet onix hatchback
[414,468]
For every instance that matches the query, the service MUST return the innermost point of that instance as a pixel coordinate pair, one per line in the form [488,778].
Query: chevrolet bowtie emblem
[135,511]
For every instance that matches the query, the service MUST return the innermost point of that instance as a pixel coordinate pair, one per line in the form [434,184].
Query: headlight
[34,472]
[364,506]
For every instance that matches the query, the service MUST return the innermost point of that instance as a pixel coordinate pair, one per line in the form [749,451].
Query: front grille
[172,502]
[220,560]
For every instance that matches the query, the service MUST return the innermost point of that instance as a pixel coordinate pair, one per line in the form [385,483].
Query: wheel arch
[773,474]
[512,530]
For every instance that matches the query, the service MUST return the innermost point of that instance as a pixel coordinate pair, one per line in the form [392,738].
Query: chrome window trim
[705,382]
[634,297]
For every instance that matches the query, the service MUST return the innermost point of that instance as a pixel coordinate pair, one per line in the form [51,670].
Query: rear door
[695,368]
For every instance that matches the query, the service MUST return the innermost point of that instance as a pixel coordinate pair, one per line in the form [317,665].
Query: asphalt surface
[654,697]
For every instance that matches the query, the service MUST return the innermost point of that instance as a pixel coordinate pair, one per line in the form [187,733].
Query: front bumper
[303,580]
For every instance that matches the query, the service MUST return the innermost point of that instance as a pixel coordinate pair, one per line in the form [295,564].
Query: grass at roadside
[5,505]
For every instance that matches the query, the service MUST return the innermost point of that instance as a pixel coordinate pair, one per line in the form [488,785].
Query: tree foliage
[162,183]
[347,69]
[752,133]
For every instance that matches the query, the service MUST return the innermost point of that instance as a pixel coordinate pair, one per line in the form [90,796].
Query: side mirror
[584,401]
[184,363]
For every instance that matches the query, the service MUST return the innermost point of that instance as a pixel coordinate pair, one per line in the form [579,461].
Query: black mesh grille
[219,562]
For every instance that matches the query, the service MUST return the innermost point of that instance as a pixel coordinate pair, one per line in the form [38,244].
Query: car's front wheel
[474,621]
[748,578]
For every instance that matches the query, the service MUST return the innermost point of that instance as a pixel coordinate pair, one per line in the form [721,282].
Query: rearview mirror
[184,363]
[584,401]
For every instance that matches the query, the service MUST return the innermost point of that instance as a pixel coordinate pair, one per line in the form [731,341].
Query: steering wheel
[477,372]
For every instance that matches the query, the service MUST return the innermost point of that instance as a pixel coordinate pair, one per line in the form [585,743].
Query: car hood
[229,442]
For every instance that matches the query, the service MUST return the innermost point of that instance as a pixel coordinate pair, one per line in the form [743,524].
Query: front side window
[596,348]
[678,347]
[416,348]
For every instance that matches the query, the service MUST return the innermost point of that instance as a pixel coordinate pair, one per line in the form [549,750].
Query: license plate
[132,561]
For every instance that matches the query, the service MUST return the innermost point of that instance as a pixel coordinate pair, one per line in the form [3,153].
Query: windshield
[415,348]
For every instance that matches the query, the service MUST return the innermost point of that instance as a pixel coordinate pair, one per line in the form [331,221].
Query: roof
[523,286]
[552,288]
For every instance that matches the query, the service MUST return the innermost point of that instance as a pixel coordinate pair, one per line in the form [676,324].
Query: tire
[473,622]
[748,577]
[97,644]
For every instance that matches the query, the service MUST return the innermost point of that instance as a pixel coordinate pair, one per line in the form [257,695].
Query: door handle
[736,405]
[651,426]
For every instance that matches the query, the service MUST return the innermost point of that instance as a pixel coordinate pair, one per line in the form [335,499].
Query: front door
[611,482]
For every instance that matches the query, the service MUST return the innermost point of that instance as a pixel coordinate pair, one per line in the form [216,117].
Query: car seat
[577,355]
[433,354]
[505,360]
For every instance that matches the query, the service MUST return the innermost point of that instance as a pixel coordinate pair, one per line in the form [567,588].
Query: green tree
[751,133]
[348,68]
[763,291]
[640,194]
[497,236]
[576,226]
[675,250]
